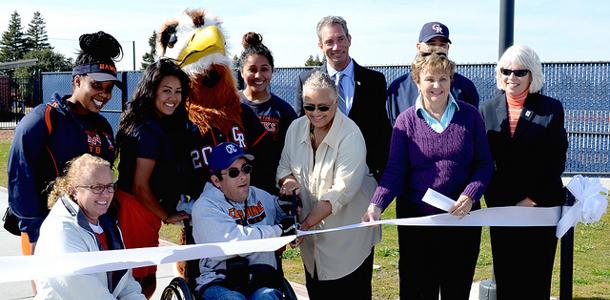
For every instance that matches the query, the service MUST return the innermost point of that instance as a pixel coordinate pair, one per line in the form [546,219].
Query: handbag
[11,222]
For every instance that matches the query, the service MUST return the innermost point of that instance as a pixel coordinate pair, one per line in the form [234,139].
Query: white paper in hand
[438,200]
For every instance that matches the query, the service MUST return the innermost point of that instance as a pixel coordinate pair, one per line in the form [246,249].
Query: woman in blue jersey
[151,133]
[256,66]
[52,134]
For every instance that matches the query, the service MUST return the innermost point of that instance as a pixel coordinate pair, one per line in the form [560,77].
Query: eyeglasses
[518,73]
[234,172]
[320,107]
[98,189]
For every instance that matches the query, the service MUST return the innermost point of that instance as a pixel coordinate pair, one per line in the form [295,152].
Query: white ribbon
[590,206]
[18,268]
[591,203]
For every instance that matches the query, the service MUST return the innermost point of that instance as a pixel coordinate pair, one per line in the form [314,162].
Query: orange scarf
[515,106]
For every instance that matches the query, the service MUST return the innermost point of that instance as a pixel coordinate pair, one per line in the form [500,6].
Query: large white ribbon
[18,268]
[591,203]
[590,206]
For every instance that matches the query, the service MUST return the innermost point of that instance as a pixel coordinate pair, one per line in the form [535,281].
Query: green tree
[36,37]
[149,57]
[236,61]
[12,44]
[313,62]
[48,61]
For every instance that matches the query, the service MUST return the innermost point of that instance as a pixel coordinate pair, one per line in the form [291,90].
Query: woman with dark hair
[151,132]
[78,222]
[52,134]
[528,144]
[256,66]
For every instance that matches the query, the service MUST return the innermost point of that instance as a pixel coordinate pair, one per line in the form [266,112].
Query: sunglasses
[99,189]
[234,172]
[518,73]
[320,107]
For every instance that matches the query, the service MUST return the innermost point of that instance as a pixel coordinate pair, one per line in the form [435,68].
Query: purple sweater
[454,162]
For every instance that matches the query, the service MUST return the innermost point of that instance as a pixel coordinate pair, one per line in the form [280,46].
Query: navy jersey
[274,114]
[155,140]
[252,137]
[37,157]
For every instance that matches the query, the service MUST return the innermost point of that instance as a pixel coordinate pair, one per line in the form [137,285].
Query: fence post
[567,258]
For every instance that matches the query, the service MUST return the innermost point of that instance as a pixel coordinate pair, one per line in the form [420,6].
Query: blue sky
[383,32]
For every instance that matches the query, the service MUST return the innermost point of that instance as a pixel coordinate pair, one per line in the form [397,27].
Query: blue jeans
[222,293]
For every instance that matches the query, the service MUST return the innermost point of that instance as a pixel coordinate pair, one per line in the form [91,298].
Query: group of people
[425,131]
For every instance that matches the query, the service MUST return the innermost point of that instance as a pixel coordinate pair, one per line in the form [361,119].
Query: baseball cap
[97,72]
[224,154]
[433,29]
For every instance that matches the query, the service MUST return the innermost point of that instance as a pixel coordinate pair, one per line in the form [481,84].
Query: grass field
[591,255]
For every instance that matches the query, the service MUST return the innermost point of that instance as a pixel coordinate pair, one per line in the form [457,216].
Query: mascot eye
[172,41]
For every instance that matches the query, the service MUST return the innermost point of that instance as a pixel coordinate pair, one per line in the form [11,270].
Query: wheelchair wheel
[288,291]
[177,290]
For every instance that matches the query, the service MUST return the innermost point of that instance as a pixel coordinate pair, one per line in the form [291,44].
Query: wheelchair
[183,288]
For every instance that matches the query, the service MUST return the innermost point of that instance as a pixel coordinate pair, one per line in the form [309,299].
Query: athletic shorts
[139,226]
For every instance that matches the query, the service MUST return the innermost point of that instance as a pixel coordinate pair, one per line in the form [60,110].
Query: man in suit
[402,93]
[361,91]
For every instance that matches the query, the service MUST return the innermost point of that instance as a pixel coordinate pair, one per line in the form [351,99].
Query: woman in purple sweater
[439,143]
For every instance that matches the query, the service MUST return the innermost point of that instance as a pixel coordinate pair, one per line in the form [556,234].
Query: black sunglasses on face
[320,107]
[99,189]
[518,73]
[234,172]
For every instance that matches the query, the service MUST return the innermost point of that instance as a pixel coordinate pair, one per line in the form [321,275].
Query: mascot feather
[196,42]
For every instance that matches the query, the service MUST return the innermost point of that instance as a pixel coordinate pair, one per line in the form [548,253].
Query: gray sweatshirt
[217,219]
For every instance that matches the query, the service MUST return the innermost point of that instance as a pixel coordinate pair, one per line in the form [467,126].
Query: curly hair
[99,47]
[321,80]
[253,44]
[76,169]
[435,61]
[142,106]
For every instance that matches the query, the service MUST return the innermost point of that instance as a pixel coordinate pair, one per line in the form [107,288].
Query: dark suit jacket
[530,163]
[368,112]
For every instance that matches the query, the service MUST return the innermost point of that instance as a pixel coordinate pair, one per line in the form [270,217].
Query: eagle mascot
[196,43]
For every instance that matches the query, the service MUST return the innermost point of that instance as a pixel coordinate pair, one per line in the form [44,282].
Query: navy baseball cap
[432,30]
[97,72]
[224,154]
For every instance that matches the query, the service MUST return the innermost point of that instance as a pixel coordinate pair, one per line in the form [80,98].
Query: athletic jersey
[154,140]
[45,140]
[252,137]
[274,114]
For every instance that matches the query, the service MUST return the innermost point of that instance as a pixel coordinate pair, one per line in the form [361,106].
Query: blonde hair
[76,169]
[321,80]
[435,61]
[526,57]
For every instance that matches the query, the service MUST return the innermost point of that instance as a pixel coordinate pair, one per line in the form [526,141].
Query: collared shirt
[437,126]
[347,82]
[338,175]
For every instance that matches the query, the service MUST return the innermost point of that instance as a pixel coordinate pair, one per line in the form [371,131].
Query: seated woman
[78,223]
[323,161]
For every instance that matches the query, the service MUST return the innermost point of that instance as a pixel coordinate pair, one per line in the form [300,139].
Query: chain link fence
[583,88]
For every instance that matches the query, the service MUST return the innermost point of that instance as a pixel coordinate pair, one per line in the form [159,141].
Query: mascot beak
[204,41]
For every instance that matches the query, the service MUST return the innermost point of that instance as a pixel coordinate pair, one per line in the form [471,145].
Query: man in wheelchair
[229,209]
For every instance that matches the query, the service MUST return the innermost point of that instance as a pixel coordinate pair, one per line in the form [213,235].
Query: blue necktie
[342,102]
